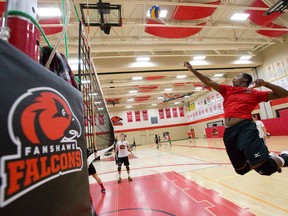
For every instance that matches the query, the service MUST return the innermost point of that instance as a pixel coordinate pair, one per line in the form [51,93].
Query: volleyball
[155,11]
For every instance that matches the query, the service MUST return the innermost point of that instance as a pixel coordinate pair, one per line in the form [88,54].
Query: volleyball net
[98,126]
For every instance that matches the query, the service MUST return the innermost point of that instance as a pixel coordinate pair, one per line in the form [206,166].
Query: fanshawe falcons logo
[45,130]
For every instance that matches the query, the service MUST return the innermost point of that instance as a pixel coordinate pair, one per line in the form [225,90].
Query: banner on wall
[168,112]
[101,119]
[137,116]
[175,112]
[145,115]
[279,68]
[218,96]
[283,83]
[191,106]
[43,148]
[129,117]
[161,113]
[285,62]
[181,111]
[208,99]
[270,73]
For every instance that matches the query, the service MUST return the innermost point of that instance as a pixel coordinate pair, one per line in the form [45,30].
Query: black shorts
[243,144]
[124,160]
[91,169]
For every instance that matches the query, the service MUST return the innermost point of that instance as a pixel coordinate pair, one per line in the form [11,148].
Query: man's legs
[99,181]
[255,150]
[126,163]
[119,169]
[128,172]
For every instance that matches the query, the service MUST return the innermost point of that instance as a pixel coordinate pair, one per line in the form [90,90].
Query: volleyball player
[122,150]
[244,147]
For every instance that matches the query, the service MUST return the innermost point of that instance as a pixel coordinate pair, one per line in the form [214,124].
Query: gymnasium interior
[76,75]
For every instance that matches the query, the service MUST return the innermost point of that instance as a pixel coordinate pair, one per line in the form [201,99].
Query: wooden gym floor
[193,177]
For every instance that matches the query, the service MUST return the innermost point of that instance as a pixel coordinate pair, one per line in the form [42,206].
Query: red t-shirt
[239,102]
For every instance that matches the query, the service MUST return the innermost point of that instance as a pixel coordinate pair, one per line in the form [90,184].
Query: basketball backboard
[101,14]
[279,6]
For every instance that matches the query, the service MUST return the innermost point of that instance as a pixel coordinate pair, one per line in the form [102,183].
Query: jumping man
[244,147]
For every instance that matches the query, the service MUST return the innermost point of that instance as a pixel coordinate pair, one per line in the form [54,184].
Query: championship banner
[161,113]
[129,117]
[137,116]
[181,111]
[145,115]
[175,112]
[101,119]
[43,152]
[168,112]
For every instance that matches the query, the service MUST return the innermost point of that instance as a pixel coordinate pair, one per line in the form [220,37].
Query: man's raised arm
[206,80]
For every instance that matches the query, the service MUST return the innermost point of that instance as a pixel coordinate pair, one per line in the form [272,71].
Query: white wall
[276,52]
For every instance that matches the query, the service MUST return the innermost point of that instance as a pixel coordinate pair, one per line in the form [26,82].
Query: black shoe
[284,155]
[119,180]
[103,190]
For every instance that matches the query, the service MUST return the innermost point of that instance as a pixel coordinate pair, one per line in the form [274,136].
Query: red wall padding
[279,101]
[283,113]
[192,12]
[215,132]
[171,32]
[277,126]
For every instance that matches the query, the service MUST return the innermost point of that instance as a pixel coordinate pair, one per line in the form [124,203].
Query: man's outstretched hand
[188,65]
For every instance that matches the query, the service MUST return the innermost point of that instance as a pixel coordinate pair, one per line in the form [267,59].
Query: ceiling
[169,43]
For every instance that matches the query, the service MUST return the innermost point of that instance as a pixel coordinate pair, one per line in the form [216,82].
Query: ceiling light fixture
[245,57]
[198,88]
[200,57]
[137,78]
[218,75]
[239,16]
[133,91]
[128,106]
[143,59]
[242,61]
[130,99]
[181,76]
[93,94]
[85,82]
[168,89]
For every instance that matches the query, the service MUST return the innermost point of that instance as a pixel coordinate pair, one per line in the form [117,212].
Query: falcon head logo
[116,120]
[45,116]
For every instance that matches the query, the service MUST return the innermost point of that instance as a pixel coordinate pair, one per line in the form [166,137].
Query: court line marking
[241,192]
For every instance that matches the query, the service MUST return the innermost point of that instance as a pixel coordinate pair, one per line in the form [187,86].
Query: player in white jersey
[261,128]
[122,149]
